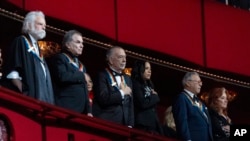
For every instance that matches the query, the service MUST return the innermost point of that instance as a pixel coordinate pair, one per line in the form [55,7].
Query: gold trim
[160,62]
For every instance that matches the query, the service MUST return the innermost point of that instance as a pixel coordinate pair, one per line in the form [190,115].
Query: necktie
[76,61]
[198,102]
[200,105]
[196,99]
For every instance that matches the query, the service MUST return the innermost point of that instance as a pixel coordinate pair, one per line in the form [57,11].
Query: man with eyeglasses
[190,114]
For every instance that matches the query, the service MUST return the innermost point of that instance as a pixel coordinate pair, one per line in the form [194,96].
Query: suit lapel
[203,112]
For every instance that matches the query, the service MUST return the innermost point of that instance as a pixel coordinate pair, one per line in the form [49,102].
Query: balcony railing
[29,119]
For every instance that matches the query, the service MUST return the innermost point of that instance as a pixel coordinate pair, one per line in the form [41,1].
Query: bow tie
[196,99]
[116,73]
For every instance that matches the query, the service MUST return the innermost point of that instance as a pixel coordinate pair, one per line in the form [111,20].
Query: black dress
[217,122]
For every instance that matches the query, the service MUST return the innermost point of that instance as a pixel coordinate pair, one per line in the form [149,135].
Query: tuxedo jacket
[191,122]
[69,84]
[108,103]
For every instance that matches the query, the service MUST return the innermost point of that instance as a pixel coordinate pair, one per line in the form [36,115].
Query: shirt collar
[189,93]
[69,53]
[114,70]
[33,40]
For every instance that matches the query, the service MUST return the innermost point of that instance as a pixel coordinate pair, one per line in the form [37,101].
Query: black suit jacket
[108,103]
[191,123]
[146,116]
[69,84]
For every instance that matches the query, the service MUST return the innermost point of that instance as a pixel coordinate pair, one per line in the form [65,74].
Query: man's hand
[153,91]
[18,84]
[127,90]
[90,114]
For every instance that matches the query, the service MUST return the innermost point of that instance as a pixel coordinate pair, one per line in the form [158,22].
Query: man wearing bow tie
[190,114]
[113,99]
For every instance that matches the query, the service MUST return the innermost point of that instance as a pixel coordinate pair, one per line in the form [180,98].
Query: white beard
[38,34]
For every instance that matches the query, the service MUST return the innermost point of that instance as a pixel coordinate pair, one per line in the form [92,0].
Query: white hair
[187,77]
[30,19]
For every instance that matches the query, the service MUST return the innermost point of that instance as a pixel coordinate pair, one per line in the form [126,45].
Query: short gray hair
[110,52]
[30,19]
[187,77]
[68,37]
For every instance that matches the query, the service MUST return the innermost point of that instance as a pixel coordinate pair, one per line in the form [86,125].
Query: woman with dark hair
[145,98]
[217,103]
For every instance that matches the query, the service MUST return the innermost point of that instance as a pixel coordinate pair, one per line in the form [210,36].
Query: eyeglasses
[77,41]
[196,81]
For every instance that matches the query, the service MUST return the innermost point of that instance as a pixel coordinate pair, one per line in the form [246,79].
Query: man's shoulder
[103,73]
[19,43]
[59,56]
[182,95]
[20,38]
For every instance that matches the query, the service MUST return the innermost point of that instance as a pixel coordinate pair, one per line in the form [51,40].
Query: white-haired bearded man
[25,69]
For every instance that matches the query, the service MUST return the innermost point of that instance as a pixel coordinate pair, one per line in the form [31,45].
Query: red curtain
[172,27]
